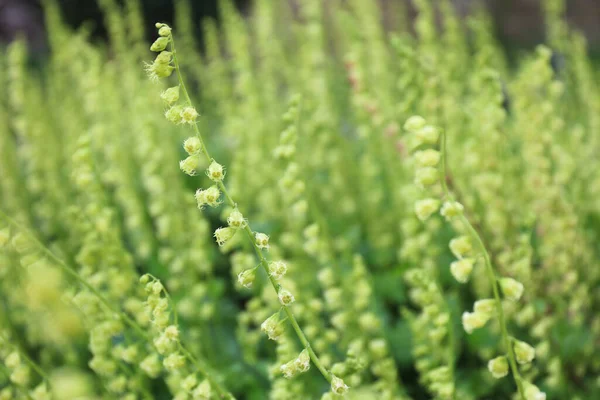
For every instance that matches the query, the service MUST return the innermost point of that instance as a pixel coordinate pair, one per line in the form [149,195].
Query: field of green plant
[311,207]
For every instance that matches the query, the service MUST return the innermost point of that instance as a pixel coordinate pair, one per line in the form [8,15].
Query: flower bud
[302,363]
[174,362]
[172,332]
[189,115]
[192,145]
[277,269]
[524,352]
[165,57]
[164,31]
[460,246]
[532,392]
[338,386]
[236,220]
[208,196]
[427,135]
[285,297]
[512,289]
[424,208]
[159,44]
[151,365]
[288,370]
[246,277]
[414,123]
[272,327]
[461,269]
[156,287]
[173,114]
[215,171]
[427,158]
[222,235]
[451,209]
[171,95]
[190,165]
[261,240]
[158,70]
[498,367]
[472,321]
[426,176]
[189,383]
[485,307]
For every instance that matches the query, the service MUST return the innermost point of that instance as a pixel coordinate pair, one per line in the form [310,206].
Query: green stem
[248,230]
[506,339]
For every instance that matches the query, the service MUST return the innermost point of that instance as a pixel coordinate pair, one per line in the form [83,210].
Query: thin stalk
[263,261]
[506,339]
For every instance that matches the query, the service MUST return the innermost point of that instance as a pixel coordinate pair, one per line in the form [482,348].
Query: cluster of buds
[296,366]
[166,339]
[162,66]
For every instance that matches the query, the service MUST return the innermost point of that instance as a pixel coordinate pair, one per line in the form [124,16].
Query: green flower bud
[426,176]
[222,235]
[246,277]
[426,207]
[215,172]
[261,240]
[427,158]
[512,289]
[461,269]
[165,57]
[189,383]
[485,307]
[189,115]
[532,392]
[472,321]
[192,145]
[524,352]
[451,209]
[302,363]
[285,297]
[164,31]
[272,327]
[338,386]
[173,114]
[277,269]
[236,220]
[171,95]
[427,135]
[498,367]
[461,246]
[151,365]
[289,370]
[174,362]
[415,123]
[159,44]
[208,196]
[190,165]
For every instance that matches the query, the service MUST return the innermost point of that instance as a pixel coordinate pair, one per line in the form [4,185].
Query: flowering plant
[326,211]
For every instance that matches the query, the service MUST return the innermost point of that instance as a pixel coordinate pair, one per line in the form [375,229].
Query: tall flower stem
[249,233]
[506,338]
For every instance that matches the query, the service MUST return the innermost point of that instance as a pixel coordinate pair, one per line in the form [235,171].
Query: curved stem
[249,233]
[506,339]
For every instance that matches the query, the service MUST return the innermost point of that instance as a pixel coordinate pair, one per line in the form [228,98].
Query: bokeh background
[518,23]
